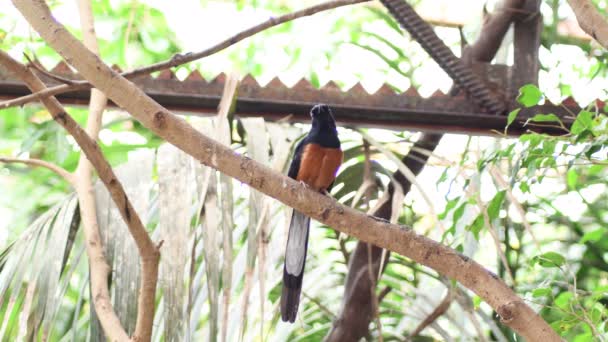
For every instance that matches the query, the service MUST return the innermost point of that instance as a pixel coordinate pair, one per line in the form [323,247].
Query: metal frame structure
[479,113]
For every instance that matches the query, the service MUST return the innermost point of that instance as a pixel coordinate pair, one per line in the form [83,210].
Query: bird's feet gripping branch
[315,162]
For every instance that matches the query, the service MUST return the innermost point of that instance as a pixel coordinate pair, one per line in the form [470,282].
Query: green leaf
[524,187]
[541,292]
[448,207]
[458,213]
[31,139]
[594,235]
[550,259]
[584,121]
[545,118]
[314,79]
[495,204]
[585,337]
[476,302]
[512,116]
[571,179]
[529,95]
[563,299]
[476,226]
[444,177]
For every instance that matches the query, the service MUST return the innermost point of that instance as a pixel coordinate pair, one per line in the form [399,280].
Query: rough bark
[178,132]
[591,20]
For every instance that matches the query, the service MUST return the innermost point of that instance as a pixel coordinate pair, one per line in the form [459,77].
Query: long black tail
[293,269]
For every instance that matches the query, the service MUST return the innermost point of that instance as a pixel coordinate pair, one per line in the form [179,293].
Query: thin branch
[357,307]
[591,20]
[483,210]
[223,135]
[180,59]
[148,251]
[514,311]
[69,177]
[518,207]
[86,196]
[433,316]
[385,291]
[342,244]
[43,71]
[320,305]
[372,289]
[45,93]
[411,177]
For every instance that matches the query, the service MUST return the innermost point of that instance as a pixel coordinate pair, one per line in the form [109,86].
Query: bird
[316,160]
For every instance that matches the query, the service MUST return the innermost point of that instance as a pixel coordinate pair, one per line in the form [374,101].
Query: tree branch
[148,251]
[37,162]
[86,195]
[433,316]
[355,316]
[358,305]
[180,59]
[591,20]
[178,132]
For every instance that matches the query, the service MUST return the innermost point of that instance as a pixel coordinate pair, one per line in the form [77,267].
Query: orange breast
[319,165]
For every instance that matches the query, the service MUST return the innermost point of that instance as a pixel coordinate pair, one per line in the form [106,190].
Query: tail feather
[293,269]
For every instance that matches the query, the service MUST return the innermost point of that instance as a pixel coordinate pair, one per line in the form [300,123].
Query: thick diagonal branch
[148,251]
[356,314]
[591,20]
[178,132]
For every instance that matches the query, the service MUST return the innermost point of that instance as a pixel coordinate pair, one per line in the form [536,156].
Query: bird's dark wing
[294,167]
[295,254]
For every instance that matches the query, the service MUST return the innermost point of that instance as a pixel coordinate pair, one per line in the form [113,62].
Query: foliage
[541,199]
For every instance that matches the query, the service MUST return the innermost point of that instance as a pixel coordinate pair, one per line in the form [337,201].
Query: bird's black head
[322,116]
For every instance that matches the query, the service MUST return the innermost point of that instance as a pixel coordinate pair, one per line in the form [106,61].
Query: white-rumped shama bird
[316,160]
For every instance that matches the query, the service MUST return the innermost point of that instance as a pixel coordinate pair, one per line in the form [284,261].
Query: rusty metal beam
[385,108]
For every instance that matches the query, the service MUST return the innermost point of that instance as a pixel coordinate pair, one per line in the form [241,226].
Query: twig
[342,244]
[385,291]
[407,173]
[439,310]
[492,229]
[43,71]
[69,177]
[134,4]
[150,255]
[326,210]
[357,308]
[520,210]
[320,305]
[180,59]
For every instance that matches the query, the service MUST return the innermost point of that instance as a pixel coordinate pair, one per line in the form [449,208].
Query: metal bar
[384,109]
[462,75]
